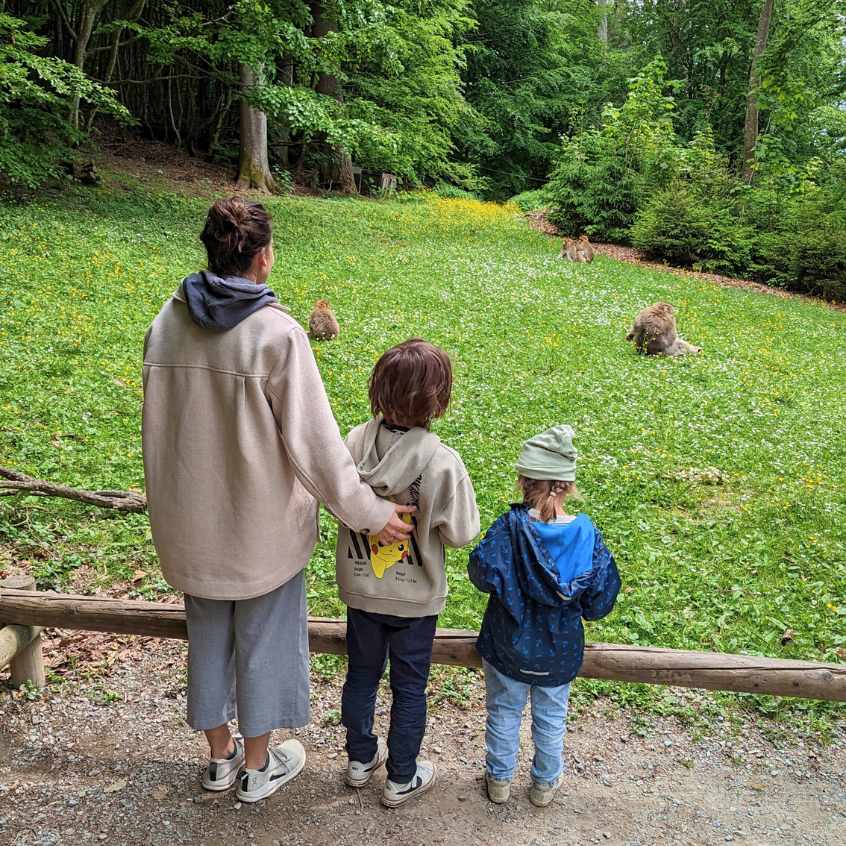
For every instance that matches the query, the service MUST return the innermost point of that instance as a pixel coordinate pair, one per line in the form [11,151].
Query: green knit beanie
[550,455]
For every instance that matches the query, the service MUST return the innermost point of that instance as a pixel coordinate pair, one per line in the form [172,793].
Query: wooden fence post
[28,664]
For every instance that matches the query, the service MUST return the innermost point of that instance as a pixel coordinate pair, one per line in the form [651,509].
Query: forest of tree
[727,116]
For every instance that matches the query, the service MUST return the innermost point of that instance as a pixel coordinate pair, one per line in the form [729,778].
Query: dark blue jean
[371,640]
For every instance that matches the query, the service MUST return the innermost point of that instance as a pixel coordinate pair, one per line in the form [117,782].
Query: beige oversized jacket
[239,440]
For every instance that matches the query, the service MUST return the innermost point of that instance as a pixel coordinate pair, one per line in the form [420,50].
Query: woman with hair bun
[240,445]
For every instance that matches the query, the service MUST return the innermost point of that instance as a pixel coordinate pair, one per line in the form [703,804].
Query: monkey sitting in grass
[568,250]
[580,250]
[323,325]
[584,249]
[654,332]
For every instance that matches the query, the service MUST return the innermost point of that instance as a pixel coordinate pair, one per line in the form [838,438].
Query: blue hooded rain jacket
[542,580]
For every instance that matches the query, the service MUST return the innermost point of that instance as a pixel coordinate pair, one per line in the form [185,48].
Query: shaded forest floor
[164,167]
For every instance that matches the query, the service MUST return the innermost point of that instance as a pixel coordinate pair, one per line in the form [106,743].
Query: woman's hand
[396,529]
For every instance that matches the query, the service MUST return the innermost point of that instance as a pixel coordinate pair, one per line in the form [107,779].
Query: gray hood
[222,302]
[390,462]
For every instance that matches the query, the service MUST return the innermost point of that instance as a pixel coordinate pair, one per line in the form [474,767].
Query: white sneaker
[222,773]
[395,794]
[284,762]
[359,774]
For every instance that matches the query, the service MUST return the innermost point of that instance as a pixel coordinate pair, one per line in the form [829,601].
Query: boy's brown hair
[411,384]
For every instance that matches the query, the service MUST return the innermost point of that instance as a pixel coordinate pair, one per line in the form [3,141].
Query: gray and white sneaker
[541,795]
[359,774]
[499,790]
[395,794]
[284,762]
[222,773]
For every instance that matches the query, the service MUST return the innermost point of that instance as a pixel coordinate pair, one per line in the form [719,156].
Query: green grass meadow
[727,564]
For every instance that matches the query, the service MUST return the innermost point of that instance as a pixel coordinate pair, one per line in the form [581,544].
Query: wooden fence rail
[713,671]
[20,645]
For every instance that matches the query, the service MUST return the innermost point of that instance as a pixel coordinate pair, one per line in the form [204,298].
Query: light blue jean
[506,699]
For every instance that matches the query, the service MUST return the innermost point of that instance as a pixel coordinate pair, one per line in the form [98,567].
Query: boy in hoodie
[545,570]
[395,592]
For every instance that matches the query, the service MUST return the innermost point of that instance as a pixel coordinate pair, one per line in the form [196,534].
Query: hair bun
[232,211]
[235,231]
[233,215]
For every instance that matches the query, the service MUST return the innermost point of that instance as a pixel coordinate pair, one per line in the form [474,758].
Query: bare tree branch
[64,17]
[111,46]
[13,483]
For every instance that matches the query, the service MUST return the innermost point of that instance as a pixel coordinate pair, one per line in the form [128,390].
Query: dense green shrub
[35,93]
[795,241]
[604,175]
[453,192]
[673,225]
[533,200]
[801,241]
[678,226]
[594,188]
[698,219]
[817,257]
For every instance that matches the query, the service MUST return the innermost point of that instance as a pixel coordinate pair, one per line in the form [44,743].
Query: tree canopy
[608,97]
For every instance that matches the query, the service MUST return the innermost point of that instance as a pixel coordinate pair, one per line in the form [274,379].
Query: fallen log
[618,662]
[13,483]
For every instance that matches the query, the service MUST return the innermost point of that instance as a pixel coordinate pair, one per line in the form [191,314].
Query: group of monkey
[653,332]
[654,329]
[580,250]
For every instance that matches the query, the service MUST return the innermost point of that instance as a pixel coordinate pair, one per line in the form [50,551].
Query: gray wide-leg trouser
[248,658]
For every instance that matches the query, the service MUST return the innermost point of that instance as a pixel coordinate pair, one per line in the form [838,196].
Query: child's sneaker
[395,794]
[284,762]
[499,790]
[541,795]
[222,773]
[359,774]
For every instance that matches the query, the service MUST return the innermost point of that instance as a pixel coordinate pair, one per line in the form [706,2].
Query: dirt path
[72,772]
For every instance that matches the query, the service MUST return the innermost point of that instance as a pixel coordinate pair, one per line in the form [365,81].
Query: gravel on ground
[110,760]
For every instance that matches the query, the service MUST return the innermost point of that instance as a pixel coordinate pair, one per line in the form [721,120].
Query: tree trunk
[344,166]
[133,13]
[220,119]
[286,76]
[342,172]
[602,29]
[254,167]
[750,126]
[87,16]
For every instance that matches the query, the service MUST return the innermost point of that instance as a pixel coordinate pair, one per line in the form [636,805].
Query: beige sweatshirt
[239,444]
[406,579]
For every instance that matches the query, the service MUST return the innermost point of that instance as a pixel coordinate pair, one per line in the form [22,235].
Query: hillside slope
[728,561]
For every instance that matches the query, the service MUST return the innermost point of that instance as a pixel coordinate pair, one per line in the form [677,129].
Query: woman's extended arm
[311,438]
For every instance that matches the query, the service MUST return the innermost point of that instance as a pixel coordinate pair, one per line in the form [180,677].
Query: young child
[395,592]
[544,570]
